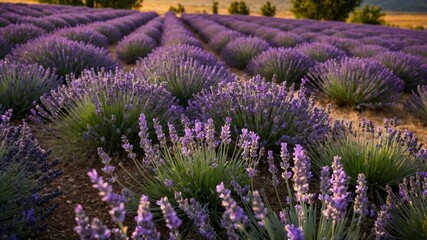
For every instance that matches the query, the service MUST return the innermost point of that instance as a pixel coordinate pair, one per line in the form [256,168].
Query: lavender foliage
[286,40]
[355,82]
[273,111]
[25,177]
[416,105]
[65,56]
[84,35]
[135,46]
[20,33]
[281,65]
[22,85]
[97,109]
[320,52]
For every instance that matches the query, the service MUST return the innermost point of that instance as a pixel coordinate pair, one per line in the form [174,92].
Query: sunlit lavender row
[217,120]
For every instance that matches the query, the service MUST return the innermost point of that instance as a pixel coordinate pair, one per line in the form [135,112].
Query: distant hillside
[400,5]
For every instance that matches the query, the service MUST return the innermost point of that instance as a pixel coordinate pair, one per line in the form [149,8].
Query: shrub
[409,209]
[84,35]
[183,77]
[274,112]
[416,105]
[284,65]
[240,51]
[66,56]
[111,32]
[409,68]
[367,51]
[368,15]
[135,46]
[385,156]
[417,50]
[268,10]
[238,8]
[220,40]
[25,176]
[4,22]
[96,109]
[355,82]
[215,7]
[179,9]
[21,85]
[286,39]
[320,52]
[187,52]
[324,10]
[190,166]
[5,47]
[20,33]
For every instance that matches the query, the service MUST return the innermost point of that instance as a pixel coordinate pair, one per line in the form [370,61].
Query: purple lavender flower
[66,56]
[260,107]
[294,233]
[109,31]
[258,207]
[355,82]
[134,46]
[20,33]
[320,52]
[286,40]
[416,105]
[220,40]
[301,174]
[337,203]
[85,35]
[99,230]
[409,68]
[281,65]
[172,220]
[240,51]
[367,51]
[381,223]
[325,184]
[361,200]
[225,131]
[145,228]
[83,227]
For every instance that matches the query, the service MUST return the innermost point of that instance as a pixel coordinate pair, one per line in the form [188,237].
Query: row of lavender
[372,75]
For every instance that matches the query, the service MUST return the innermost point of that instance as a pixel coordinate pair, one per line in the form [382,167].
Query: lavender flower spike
[294,233]
[302,173]
[172,220]
[83,226]
[337,204]
[361,200]
[381,222]
[145,228]
[258,207]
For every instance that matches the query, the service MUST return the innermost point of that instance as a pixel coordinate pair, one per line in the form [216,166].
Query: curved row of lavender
[250,43]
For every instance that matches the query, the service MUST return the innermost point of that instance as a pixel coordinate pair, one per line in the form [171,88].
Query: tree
[369,15]
[238,8]
[179,9]
[268,10]
[337,10]
[215,7]
[125,4]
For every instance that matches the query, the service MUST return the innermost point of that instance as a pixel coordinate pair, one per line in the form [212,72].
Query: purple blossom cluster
[26,173]
[99,108]
[273,111]
[239,52]
[63,55]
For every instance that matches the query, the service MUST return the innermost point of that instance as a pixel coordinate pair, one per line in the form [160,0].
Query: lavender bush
[409,209]
[355,82]
[284,65]
[286,40]
[20,33]
[5,47]
[320,52]
[25,176]
[187,52]
[409,68]
[367,51]
[189,167]
[21,85]
[66,56]
[183,77]
[84,35]
[135,46]
[240,51]
[417,50]
[416,105]
[111,32]
[275,112]
[384,155]
[220,40]
[97,109]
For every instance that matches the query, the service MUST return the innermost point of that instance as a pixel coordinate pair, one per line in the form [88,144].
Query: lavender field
[120,124]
